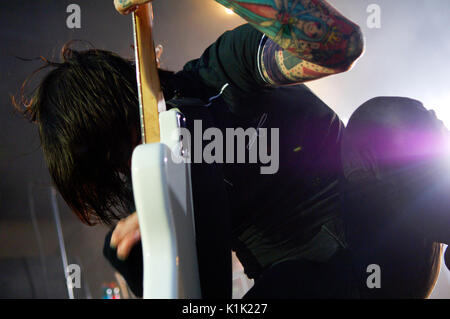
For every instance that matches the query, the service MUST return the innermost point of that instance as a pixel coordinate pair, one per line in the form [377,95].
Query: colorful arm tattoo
[310,39]
[281,67]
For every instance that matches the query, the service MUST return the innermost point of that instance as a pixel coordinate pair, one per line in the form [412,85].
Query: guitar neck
[151,99]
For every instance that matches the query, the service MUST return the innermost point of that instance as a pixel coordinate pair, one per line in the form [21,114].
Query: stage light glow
[229,11]
[443,113]
[441,106]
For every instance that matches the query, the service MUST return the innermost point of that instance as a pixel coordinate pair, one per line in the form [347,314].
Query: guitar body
[163,198]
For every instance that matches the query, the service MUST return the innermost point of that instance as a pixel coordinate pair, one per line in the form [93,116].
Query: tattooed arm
[307,39]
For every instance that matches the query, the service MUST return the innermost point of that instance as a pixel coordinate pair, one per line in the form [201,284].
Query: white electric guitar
[161,182]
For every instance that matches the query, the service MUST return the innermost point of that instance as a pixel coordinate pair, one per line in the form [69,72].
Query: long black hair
[86,109]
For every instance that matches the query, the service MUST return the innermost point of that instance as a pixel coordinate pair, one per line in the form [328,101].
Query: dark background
[407,56]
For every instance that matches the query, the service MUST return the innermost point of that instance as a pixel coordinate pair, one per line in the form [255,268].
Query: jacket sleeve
[230,66]
[131,269]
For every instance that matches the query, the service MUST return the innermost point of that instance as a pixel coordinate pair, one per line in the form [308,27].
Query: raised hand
[126,235]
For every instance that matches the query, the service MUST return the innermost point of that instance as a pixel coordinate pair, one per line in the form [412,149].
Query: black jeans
[395,208]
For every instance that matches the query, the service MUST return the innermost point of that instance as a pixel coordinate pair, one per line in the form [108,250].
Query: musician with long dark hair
[287,228]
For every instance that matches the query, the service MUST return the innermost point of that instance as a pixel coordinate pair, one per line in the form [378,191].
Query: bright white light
[440,103]
[344,120]
[441,106]
[229,11]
